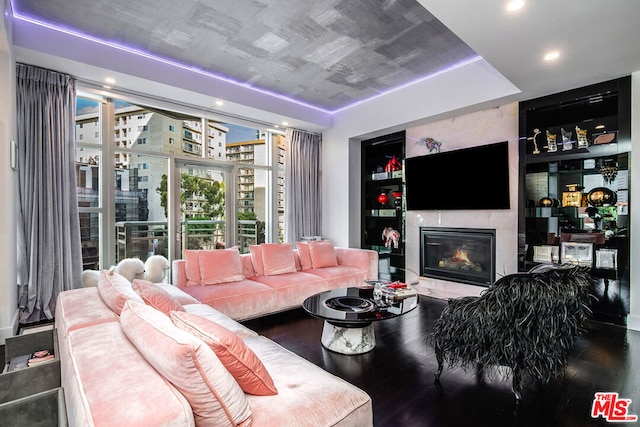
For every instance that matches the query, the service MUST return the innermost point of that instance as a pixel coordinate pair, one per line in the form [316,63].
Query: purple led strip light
[18,15]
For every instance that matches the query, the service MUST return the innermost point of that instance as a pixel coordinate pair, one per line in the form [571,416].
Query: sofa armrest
[365,259]
[179,273]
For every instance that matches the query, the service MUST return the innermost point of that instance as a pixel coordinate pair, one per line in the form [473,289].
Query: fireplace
[464,255]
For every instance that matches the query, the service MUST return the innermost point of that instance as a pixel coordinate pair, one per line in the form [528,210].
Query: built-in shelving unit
[383,206]
[575,147]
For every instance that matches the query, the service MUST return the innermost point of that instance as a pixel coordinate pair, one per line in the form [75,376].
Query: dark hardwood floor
[398,374]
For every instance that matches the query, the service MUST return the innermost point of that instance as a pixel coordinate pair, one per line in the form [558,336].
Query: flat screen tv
[473,178]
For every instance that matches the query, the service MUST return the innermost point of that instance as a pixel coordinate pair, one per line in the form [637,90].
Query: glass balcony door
[205,219]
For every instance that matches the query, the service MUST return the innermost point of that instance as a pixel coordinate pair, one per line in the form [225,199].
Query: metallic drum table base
[348,339]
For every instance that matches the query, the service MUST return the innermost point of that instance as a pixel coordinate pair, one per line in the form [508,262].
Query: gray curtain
[48,230]
[303,196]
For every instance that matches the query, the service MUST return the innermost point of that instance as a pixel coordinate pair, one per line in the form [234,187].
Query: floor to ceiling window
[146,174]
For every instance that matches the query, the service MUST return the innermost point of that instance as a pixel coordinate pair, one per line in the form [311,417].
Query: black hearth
[464,255]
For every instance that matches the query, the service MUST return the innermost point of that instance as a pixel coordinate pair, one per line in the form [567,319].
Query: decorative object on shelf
[605,138]
[383,199]
[607,259]
[572,197]
[391,237]
[431,144]
[593,213]
[548,202]
[577,253]
[567,143]
[542,254]
[609,171]
[397,198]
[602,196]
[536,132]
[393,164]
[552,145]
[583,142]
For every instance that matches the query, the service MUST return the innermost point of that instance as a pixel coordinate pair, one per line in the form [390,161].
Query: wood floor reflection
[398,374]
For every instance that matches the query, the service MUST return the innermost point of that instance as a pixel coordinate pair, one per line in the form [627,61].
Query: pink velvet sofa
[146,354]
[272,277]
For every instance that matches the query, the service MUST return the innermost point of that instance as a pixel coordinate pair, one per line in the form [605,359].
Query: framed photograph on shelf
[577,253]
[607,259]
[542,254]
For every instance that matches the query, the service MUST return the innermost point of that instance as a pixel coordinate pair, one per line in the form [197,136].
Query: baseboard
[633,322]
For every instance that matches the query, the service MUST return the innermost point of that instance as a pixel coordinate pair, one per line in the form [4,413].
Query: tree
[209,193]
[247,216]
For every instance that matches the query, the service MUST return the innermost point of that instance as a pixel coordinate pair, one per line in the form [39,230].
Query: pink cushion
[220,266]
[323,254]
[187,363]
[239,360]
[192,267]
[115,290]
[305,257]
[277,258]
[256,259]
[156,297]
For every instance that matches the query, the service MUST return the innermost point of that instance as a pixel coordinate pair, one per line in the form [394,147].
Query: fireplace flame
[460,261]
[461,256]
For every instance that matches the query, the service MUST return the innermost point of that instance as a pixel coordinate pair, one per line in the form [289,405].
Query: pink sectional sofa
[272,278]
[150,354]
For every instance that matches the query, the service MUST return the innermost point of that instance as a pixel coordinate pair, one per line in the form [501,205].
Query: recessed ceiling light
[110,80]
[220,103]
[552,55]
[276,126]
[514,5]
[106,87]
[285,123]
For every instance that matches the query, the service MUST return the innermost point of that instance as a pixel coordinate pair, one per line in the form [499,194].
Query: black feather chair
[527,322]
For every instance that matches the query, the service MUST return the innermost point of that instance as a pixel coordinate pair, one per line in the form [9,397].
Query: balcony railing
[142,239]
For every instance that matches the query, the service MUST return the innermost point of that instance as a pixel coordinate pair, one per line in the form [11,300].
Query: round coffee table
[349,314]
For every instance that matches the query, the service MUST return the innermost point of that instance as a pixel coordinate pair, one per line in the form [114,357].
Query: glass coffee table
[349,314]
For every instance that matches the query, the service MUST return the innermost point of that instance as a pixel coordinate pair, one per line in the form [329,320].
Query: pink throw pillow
[256,259]
[192,267]
[323,254]
[220,266]
[234,354]
[115,290]
[305,256]
[278,258]
[156,297]
[187,363]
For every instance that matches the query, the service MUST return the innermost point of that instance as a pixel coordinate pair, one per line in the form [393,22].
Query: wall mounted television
[474,178]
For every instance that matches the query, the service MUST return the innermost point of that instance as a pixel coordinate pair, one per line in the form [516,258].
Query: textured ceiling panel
[327,53]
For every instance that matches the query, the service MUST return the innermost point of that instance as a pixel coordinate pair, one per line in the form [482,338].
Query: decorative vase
[602,196]
[397,201]
[383,199]
[548,202]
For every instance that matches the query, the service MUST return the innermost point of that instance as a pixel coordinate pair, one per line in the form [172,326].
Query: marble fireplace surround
[478,128]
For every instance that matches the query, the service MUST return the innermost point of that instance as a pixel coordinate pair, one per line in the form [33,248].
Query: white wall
[483,127]
[8,179]
[445,95]
[633,319]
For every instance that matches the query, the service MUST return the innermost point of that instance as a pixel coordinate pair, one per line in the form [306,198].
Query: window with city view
[124,210]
